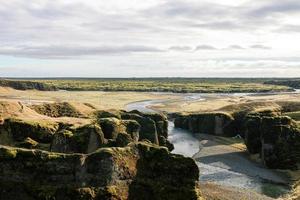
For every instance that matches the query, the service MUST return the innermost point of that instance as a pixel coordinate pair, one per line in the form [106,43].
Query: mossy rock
[107,114]
[132,128]
[123,139]
[87,138]
[166,143]
[181,121]
[276,138]
[62,142]
[111,127]
[39,131]
[8,153]
[148,128]
[63,109]
[138,171]
[83,139]
[161,123]
[218,123]
[28,143]
[161,175]
[280,142]
[252,134]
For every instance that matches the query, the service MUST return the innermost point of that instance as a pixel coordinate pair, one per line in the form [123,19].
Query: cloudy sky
[150,38]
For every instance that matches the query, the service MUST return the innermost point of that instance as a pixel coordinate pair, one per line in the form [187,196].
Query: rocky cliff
[274,137]
[114,155]
[138,171]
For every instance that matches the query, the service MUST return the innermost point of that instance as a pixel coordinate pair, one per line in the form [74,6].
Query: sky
[150,38]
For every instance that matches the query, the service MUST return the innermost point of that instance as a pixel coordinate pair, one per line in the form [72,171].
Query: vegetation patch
[177,85]
[40,131]
[293,115]
[26,85]
[63,109]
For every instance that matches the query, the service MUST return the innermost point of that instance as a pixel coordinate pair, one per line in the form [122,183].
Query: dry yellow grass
[218,102]
[101,100]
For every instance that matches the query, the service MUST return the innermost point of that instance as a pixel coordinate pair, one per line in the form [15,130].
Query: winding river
[218,163]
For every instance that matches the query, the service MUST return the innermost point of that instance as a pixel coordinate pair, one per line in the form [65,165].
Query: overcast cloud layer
[134,38]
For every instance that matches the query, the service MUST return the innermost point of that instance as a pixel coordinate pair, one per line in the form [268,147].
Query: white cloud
[172,32]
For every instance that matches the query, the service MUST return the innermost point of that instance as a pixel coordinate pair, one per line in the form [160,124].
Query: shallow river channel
[219,163]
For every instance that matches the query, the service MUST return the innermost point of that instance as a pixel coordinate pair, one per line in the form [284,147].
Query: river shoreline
[220,164]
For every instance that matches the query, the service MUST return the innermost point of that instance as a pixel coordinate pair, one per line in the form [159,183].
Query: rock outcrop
[276,139]
[19,130]
[210,123]
[141,126]
[103,131]
[63,109]
[115,156]
[138,171]
[84,139]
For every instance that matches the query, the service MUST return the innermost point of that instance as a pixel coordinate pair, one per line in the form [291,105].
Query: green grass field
[294,115]
[177,85]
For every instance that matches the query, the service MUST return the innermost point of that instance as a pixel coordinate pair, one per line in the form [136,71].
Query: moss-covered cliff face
[114,155]
[19,129]
[106,129]
[274,137]
[209,123]
[140,126]
[138,171]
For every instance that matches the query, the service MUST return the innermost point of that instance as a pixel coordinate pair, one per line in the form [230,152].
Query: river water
[220,164]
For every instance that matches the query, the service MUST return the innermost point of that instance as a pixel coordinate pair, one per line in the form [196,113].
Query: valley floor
[212,150]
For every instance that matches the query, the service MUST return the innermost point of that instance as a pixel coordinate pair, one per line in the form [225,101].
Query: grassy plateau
[176,85]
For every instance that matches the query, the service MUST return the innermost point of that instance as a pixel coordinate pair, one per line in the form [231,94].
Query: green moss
[63,109]
[40,131]
[28,143]
[83,136]
[294,115]
[107,114]
[216,123]
[111,127]
[8,153]
[178,85]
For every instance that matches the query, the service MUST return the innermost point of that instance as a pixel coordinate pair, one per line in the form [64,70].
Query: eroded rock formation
[209,123]
[138,171]
[113,155]
[274,137]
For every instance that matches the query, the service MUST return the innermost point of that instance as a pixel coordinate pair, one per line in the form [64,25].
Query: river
[218,163]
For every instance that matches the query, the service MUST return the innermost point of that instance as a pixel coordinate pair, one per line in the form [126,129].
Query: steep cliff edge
[138,171]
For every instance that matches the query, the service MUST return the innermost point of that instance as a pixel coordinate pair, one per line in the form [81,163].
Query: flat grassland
[176,85]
